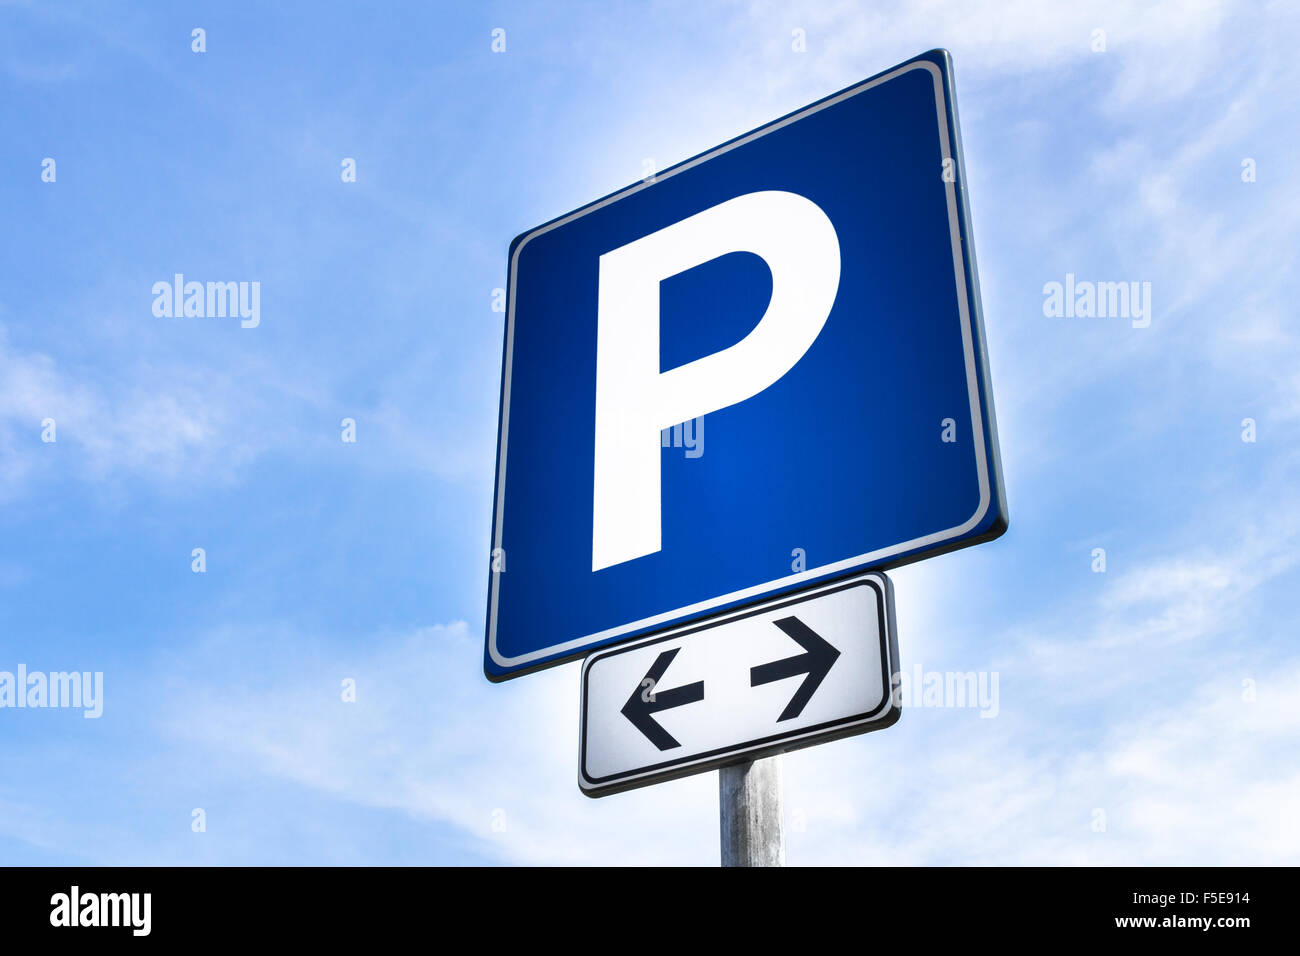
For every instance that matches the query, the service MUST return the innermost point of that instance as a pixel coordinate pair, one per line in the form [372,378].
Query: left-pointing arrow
[646,700]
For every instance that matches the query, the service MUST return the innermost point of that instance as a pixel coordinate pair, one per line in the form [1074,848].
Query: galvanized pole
[750,813]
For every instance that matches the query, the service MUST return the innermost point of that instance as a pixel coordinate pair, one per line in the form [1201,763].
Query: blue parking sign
[761,369]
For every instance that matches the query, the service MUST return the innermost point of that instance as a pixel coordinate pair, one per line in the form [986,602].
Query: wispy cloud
[158,425]
[497,762]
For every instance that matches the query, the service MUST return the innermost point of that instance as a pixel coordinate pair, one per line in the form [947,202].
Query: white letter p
[635,401]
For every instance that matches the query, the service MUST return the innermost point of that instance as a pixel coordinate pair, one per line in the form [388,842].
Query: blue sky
[1164,692]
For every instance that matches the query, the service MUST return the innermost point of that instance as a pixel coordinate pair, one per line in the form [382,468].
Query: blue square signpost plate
[804,298]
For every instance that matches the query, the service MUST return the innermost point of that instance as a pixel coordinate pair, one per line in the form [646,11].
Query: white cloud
[1185,769]
[430,738]
[1205,780]
[168,430]
[181,425]
[1133,703]
[1013,36]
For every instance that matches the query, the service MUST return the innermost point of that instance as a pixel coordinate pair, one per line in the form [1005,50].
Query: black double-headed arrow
[816,662]
[646,700]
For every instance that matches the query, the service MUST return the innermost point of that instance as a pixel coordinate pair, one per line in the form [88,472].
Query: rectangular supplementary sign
[762,369]
[788,673]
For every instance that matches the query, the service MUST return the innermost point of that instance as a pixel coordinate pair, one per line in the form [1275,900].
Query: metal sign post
[750,814]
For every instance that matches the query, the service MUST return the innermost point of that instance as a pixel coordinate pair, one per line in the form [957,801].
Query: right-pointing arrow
[817,662]
[646,700]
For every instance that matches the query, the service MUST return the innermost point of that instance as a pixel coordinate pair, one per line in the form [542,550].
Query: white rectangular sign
[748,683]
